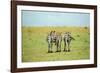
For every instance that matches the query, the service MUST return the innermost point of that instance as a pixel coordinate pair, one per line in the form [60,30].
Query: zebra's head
[67,34]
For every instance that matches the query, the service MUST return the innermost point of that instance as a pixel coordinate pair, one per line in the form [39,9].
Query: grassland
[35,47]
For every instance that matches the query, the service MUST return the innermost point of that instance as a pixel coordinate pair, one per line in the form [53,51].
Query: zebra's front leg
[65,47]
[51,51]
[50,48]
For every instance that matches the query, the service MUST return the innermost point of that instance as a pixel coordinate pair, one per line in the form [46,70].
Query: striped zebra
[55,38]
[67,41]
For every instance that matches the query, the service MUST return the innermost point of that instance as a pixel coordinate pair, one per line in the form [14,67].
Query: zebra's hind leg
[57,49]
[68,47]
[57,45]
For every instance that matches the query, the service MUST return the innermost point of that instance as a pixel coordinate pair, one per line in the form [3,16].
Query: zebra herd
[57,38]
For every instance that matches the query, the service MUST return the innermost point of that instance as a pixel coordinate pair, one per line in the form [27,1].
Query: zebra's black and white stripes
[56,38]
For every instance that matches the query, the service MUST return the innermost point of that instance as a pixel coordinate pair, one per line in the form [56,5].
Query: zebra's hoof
[57,51]
[51,52]
[68,50]
[48,51]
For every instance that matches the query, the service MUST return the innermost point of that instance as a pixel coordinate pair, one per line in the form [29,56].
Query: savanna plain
[35,46]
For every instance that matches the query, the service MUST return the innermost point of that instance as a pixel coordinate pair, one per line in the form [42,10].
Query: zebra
[67,40]
[55,38]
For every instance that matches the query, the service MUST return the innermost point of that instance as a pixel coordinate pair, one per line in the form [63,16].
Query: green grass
[35,47]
